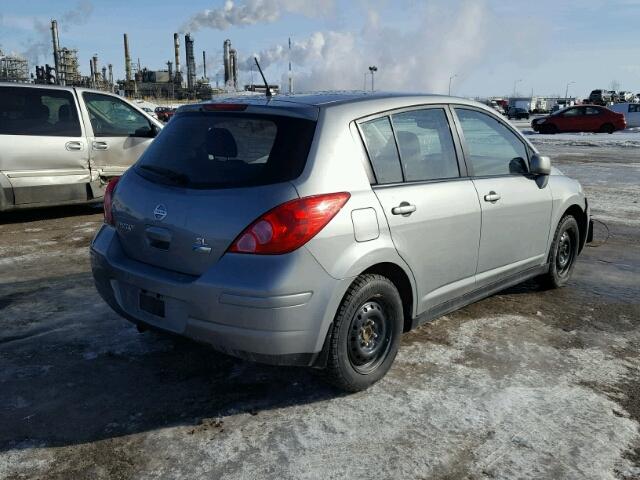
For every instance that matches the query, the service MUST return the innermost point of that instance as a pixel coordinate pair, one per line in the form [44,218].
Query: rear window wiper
[177,177]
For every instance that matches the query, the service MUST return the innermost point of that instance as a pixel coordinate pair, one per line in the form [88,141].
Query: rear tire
[366,334]
[564,251]
[607,128]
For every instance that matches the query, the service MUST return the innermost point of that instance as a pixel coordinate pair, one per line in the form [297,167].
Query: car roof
[309,105]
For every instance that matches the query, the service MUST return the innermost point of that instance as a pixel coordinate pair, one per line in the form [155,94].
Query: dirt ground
[525,384]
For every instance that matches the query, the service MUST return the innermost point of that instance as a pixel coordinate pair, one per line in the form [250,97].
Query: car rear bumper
[271,309]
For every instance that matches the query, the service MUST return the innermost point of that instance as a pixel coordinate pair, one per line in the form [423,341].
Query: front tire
[366,333]
[564,251]
[548,129]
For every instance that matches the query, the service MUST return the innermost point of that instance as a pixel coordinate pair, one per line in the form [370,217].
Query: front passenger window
[491,146]
[111,117]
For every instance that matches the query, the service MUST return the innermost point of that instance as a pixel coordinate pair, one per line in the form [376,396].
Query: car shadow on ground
[77,373]
[50,213]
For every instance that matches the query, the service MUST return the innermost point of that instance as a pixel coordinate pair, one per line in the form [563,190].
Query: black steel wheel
[365,335]
[564,251]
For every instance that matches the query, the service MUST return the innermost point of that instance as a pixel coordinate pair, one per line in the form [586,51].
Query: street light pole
[372,69]
[450,79]
[566,93]
[514,86]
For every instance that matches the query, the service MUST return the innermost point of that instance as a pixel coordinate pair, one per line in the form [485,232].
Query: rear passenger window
[382,150]
[492,147]
[38,112]
[426,145]
[592,111]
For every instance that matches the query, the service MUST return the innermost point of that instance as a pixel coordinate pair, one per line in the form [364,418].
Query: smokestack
[96,72]
[191,62]
[176,51]
[111,75]
[234,68]
[227,61]
[127,59]
[56,51]
[204,64]
[93,75]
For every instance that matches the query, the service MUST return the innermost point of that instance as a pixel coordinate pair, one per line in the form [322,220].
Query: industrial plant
[139,82]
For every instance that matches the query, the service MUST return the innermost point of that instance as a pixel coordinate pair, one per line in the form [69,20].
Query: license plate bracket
[152,303]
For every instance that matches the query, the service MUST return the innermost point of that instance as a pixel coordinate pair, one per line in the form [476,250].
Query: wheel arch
[583,222]
[401,280]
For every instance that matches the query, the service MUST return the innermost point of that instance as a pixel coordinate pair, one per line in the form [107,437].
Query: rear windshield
[223,150]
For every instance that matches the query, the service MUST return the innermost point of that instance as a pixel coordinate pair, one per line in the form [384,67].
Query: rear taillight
[108,200]
[290,225]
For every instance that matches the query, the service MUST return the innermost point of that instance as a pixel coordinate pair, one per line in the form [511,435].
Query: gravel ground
[525,384]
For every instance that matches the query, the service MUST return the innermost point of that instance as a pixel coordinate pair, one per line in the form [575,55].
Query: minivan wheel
[366,333]
[564,251]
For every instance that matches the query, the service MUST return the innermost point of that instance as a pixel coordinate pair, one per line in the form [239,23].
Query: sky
[489,47]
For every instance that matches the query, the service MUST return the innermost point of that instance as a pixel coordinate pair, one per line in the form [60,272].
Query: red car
[583,118]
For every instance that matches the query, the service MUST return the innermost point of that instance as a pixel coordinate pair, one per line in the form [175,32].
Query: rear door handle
[405,209]
[491,197]
[73,146]
[100,145]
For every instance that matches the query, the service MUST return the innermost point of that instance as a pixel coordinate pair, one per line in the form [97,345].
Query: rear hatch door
[204,179]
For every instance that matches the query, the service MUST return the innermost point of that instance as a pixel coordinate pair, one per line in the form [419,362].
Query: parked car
[165,113]
[624,97]
[161,113]
[631,112]
[517,113]
[315,229]
[600,97]
[61,145]
[584,118]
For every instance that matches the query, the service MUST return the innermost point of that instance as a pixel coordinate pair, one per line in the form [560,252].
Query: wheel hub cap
[368,337]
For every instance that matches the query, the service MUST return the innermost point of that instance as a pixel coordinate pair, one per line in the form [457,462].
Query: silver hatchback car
[313,230]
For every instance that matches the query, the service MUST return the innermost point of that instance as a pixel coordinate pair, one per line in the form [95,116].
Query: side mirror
[147,132]
[540,165]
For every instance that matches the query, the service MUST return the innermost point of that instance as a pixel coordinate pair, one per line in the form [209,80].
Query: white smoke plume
[40,47]
[450,38]
[251,12]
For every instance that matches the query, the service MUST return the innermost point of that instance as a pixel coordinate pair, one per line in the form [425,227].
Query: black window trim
[528,150]
[462,166]
[75,103]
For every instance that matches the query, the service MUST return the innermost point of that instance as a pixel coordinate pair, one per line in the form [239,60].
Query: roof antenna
[266,85]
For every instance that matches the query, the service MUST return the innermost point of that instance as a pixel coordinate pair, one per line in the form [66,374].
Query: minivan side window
[38,112]
[426,146]
[634,107]
[492,147]
[111,117]
[383,153]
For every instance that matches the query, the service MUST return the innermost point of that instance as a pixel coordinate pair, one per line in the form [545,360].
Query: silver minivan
[61,145]
[314,230]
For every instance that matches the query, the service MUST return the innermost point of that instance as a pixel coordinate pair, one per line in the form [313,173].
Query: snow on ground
[629,138]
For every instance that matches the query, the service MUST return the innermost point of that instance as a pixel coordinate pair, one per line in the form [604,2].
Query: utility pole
[450,80]
[372,69]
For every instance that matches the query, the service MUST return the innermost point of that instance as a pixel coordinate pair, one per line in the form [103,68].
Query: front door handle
[405,209]
[100,145]
[491,197]
[73,146]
